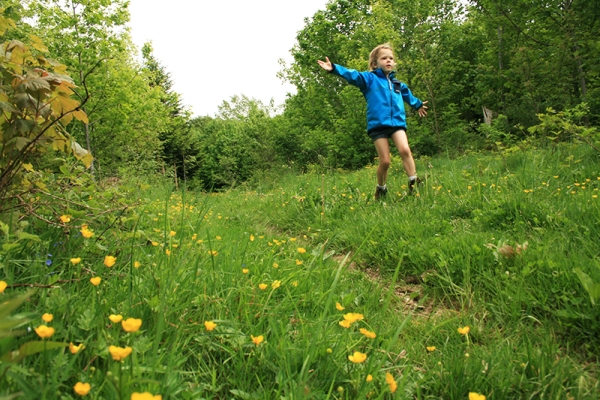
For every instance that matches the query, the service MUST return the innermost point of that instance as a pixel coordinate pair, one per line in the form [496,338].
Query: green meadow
[301,286]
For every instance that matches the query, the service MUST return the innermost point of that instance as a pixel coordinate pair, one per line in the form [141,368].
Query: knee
[384,163]
[404,152]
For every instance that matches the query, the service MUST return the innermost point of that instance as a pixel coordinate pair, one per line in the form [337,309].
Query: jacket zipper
[390,86]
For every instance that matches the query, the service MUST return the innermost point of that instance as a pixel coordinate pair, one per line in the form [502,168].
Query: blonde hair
[375,55]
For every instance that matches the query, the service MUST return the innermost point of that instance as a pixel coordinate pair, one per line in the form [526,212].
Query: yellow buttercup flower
[137,264]
[295,283]
[154,243]
[131,324]
[357,357]
[430,348]
[353,317]
[339,307]
[301,250]
[369,378]
[213,252]
[275,265]
[75,261]
[172,233]
[81,388]
[119,353]
[75,349]
[168,252]
[65,218]
[345,323]
[262,286]
[145,396]
[252,238]
[96,280]
[258,339]
[194,236]
[299,262]
[44,332]
[3,286]
[245,270]
[85,232]
[464,330]
[115,318]
[476,396]
[369,334]
[109,261]
[276,284]
[389,379]
[47,317]
[210,325]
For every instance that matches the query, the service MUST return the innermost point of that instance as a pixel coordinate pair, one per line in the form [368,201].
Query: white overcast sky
[217,49]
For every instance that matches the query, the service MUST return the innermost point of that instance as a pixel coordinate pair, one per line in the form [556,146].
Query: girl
[386,117]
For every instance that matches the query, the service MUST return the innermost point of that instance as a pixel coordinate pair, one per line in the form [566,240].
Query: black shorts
[384,132]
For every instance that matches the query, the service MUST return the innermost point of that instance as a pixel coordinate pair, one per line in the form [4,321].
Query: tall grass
[488,242]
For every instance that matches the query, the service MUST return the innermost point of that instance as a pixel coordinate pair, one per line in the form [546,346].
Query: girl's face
[385,61]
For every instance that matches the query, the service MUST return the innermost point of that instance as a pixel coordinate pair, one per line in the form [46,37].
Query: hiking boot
[411,184]
[380,192]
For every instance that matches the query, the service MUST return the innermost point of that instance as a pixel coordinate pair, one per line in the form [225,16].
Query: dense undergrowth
[280,289]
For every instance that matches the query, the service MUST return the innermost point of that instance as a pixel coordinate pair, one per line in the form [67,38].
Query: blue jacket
[385,96]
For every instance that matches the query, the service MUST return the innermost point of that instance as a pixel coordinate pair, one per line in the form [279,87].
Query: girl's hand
[423,110]
[326,65]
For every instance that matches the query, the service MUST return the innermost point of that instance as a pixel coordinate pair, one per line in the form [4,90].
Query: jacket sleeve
[408,97]
[355,78]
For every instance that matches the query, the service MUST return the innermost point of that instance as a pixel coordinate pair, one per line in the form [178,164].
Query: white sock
[412,178]
[382,187]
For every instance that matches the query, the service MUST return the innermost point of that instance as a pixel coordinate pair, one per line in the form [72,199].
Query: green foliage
[179,149]
[566,126]
[235,145]
[125,111]
[35,97]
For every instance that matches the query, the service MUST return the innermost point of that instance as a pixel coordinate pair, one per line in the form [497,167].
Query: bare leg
[383,151]
[401,141]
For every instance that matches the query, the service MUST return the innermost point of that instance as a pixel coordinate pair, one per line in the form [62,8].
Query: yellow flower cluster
[258,339]
[464,330]
[115,318]
[109,261]
[131,325]
[209,325]
[96,280]
[82,389]
[357,357]
[389,379]
[86,232]
[75,349]
[351,318]
[119,353]
[145,396]
[44,331]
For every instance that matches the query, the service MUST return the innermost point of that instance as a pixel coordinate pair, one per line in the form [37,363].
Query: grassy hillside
[303,286]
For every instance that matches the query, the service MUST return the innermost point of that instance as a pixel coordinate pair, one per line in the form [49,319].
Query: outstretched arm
[422,110]
[358,79]
[326,65]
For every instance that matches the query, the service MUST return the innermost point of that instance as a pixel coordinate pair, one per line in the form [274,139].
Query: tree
[36,104]
[178,145]
[84,35]
[541,54]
